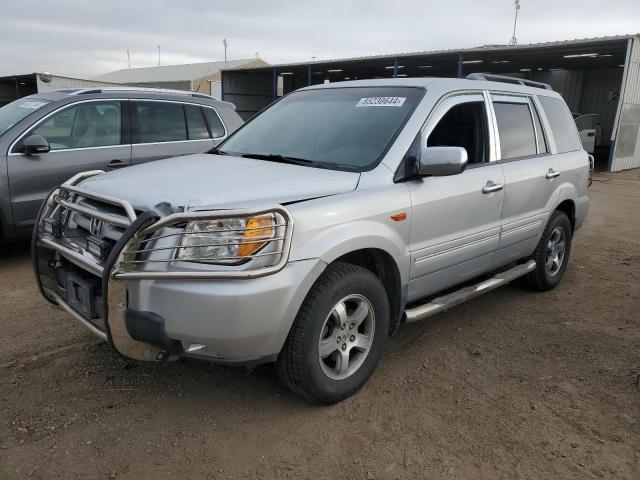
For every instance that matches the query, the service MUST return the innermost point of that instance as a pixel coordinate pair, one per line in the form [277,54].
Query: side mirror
[442,161]
[35,144]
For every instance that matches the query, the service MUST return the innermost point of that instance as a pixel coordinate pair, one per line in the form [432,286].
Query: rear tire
[551,254]
[338,336]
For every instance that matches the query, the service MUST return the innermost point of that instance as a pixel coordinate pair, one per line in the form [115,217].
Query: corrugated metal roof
[485,48]
[172,73]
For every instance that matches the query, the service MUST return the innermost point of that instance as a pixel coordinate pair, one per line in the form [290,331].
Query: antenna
[514,40]
[128,58]
[224,42]
[159,56]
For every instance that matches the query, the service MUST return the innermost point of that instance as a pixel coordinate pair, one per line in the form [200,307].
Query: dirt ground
[514,384]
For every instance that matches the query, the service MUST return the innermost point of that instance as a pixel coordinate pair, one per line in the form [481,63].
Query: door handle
[553,173]
[116,164]
[491,187]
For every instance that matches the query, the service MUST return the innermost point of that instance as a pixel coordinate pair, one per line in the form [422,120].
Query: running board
[445,302]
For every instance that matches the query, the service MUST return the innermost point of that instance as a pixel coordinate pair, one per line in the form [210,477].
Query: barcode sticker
[381,102]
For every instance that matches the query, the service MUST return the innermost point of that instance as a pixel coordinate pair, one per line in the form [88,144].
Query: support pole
[395,68]
[275,85]
[460,60]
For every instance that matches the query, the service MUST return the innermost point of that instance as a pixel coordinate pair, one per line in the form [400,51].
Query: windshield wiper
[215,151]
[279,158]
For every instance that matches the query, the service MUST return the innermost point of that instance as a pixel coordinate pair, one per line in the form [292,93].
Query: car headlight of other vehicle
[227,240]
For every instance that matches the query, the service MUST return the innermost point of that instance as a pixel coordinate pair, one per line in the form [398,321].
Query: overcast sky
[82,38]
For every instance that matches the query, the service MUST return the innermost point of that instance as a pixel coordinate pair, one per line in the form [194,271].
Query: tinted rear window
[195,123]
[160,122]
[562,124]
[515,127]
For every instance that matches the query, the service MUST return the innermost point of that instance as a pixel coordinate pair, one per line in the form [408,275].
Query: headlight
[226,240]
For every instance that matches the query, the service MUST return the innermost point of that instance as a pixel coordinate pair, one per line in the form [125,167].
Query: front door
[84,136]
[455,226]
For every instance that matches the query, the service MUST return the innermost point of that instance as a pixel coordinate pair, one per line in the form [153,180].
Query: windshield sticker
[381,102]
[32,105]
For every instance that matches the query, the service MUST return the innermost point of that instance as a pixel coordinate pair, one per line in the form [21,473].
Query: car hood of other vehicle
[197,182]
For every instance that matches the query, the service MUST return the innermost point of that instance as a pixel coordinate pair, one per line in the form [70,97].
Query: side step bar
[445,302]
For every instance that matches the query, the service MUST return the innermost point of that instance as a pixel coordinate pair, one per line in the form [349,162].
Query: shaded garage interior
[17,86]
[591,75]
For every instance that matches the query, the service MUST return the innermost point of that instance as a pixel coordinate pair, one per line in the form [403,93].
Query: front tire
[551,254]
[338,336]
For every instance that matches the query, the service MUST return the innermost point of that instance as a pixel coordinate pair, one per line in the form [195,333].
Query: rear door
[531,174]
[163,129]
[455,220]
[87,135]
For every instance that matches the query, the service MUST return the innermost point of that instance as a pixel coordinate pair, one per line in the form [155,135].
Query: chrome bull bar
[114,272]
[111,326]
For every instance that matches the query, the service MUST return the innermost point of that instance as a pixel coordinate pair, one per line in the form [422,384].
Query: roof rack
[86,91]
[506,79]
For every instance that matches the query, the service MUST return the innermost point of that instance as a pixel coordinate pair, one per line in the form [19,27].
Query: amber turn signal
[258,231]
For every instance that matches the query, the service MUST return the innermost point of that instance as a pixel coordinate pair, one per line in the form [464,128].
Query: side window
[195,123]
[562,124]
[515,128]
[91,124]
[159,122]
[464,125]
[540,137]
[215,124]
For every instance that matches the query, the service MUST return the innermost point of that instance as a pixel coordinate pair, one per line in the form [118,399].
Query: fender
[564,191]
[341,239]
[330,227]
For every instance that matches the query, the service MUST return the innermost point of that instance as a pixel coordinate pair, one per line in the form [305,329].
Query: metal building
[203,77]
[599,76]
[13,87]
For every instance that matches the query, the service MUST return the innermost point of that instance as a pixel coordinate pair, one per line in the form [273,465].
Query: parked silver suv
[321,225]
[48,137]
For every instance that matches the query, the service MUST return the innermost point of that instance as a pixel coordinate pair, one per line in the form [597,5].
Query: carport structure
[595,76]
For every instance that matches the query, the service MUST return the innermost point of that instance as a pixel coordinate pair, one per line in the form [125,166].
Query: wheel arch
[564,199]
[384,266]
[568,206]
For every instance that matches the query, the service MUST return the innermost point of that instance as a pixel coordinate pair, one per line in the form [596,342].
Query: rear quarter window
[215,124]
[562,124]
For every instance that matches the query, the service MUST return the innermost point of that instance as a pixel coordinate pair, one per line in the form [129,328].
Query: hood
[219,181]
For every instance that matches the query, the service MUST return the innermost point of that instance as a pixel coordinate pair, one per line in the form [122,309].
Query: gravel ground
[514,384]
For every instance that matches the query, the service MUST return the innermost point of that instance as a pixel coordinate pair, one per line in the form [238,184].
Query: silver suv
[48,137]
[316,229]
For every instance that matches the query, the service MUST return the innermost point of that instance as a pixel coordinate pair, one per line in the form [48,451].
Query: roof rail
[86,91]
[506,79]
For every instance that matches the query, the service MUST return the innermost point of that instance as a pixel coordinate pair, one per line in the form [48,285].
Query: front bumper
[243,319]
[232,319]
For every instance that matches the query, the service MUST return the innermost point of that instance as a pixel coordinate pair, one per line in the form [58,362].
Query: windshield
[15,111]
[347,128]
